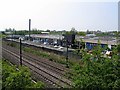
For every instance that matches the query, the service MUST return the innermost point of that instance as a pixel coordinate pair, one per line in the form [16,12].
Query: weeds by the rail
[49,56]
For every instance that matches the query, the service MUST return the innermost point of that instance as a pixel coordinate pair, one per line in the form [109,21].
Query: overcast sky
[59,14]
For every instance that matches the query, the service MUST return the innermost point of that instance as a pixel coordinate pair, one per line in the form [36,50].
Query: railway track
[54,67]
[36,76]
[47,74]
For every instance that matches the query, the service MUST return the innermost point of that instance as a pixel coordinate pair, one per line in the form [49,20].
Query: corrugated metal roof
[48,36]
[113,42]
[103,40]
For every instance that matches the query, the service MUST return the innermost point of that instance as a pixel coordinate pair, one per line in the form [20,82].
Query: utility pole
[20,52]
[12,35]
[67,53]
[29,27]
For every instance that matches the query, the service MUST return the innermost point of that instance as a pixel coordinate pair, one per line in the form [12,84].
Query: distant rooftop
[103,40]
[45,32]
[46,36]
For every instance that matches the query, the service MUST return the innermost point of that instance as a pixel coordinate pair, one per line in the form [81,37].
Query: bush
[13,78]
[99,72]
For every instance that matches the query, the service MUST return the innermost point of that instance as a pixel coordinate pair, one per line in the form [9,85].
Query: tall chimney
[29,27]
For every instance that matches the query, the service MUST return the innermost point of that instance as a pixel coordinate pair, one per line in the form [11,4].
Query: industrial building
[60,40]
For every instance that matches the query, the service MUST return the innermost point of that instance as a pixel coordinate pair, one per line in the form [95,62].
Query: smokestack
[29,27]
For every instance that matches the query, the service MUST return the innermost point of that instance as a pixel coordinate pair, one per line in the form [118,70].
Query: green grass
[47,55]
[2,36]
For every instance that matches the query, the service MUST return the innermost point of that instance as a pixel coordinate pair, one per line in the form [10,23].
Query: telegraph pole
[20,52]
[29,27]
[67,54]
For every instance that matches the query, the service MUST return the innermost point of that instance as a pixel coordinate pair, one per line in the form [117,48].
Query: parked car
[108,53]
[22,38]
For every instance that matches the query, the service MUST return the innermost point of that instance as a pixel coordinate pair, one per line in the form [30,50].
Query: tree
[73,30]
[81,33]
[96,71]
[47,30]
